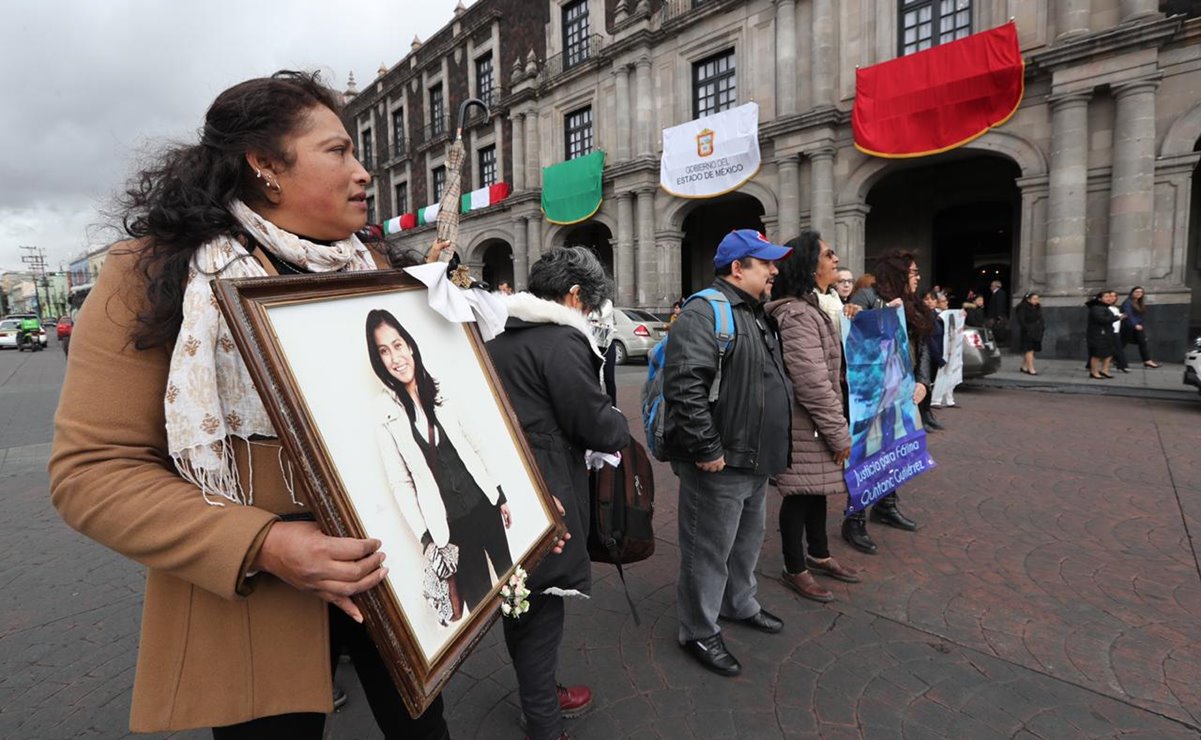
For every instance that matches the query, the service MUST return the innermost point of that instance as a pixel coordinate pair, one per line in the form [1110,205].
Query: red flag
[408,221]
[498,192]
[940,98]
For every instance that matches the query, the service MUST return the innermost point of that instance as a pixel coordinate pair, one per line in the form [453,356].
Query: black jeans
[386,704]
[803,517]
[533,642]
[1139,338]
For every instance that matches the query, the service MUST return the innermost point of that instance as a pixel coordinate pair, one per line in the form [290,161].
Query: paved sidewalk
[1069,376]
[1052,591]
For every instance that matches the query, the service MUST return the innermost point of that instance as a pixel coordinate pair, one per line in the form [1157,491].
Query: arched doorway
[497,262]
[960,214]
[594,235]
[704,227]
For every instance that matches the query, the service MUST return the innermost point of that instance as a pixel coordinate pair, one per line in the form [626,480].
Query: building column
[533,152]
[625,249]
[788,170]
[518,151]
[1072,18]
[786,83]
[824,63]
[1132,188]
[642,83]
[1068,193]
[648,286]
[521,254]
[534,230]
[1032,240]
[850,237]
[1133,10]
[821,207]
[622,134]
[667,249]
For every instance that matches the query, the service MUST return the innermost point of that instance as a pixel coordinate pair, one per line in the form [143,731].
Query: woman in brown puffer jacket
[821,440]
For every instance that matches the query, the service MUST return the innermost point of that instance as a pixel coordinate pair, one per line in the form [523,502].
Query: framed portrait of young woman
[397,428]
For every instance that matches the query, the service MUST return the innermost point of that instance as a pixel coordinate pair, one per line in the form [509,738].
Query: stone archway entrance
[497,262]
[704,227]
[594,235]
[961,215]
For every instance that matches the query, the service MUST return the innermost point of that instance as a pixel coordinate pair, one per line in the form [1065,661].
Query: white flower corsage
[514,596]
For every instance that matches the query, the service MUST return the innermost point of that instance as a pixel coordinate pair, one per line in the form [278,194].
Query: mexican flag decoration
[400,223]
[428,215]
[571,190]
[484,197]
[940,98]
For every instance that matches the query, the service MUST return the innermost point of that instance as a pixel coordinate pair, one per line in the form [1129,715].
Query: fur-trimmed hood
[527,308]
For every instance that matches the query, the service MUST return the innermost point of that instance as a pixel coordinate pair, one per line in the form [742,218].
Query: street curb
[1183,395]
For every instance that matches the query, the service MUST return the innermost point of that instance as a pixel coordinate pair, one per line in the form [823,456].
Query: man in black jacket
[724,451]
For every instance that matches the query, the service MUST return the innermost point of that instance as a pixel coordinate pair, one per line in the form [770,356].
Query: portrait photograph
[416,448]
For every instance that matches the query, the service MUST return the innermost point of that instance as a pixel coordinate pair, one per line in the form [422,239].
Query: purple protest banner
[888,443]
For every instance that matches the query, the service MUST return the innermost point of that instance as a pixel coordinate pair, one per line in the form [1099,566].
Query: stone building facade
[1091,184]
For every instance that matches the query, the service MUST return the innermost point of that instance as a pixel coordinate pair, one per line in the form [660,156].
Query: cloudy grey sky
[88,85]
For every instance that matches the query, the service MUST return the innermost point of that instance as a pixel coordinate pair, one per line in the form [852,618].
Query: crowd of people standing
[248,603]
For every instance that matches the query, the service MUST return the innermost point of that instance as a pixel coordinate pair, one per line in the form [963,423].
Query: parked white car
[9,330]
[1192,365]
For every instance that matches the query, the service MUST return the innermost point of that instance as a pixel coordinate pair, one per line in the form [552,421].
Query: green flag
[571,190]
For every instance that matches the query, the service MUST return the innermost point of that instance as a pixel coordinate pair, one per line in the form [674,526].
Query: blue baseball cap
[742,243]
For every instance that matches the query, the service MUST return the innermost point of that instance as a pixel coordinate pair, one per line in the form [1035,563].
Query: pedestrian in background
[163,450]
[937,350]
[844,285]
[724,451]
[1099,335]
[821,439]
[1029,315]
[1119,349]
[1134,326]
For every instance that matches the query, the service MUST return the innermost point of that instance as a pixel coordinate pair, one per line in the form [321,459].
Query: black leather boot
[929,422]
[854,531]
[886,512]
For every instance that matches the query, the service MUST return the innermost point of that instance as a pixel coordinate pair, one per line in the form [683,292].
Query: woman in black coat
[1099,335]
[550,367]
[1031,327]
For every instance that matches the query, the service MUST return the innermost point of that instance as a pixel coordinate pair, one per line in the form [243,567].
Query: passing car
[981,355]
[635,332]
[63,328]
[10,329]
[1192,365]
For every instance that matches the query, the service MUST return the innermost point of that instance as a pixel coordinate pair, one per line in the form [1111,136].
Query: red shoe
[574,700]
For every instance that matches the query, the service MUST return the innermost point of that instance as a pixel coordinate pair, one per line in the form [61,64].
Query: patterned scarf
[210,396]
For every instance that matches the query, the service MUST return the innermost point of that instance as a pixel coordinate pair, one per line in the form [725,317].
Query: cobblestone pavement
[1052,591]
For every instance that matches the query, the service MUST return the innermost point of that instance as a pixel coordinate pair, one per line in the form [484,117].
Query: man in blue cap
[726,432]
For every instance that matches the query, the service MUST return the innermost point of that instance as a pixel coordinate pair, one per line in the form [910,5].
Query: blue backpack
[653,411]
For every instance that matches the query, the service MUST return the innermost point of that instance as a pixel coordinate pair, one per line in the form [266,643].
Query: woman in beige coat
[163,450]
[821,441]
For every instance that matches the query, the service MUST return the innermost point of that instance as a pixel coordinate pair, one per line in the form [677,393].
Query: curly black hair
[180,201]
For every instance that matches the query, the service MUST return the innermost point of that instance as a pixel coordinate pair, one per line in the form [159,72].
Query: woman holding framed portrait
[437,475]
[164,452]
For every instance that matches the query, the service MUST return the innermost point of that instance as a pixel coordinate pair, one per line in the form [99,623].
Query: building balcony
[587,50]
[681,11]
[396,152]
[435,131]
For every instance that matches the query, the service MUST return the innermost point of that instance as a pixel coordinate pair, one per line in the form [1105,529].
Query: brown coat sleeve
[807,360]
[110,475]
